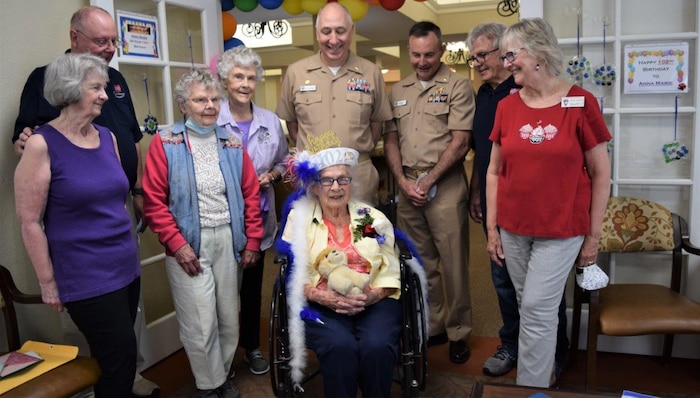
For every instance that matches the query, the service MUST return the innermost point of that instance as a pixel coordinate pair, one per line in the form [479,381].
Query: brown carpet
[444,379]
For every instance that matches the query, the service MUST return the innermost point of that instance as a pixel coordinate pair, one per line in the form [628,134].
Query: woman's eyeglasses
[328,181]
[480,57]
[510,55]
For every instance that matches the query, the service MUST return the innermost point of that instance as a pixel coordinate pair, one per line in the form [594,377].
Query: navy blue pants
[357,350]
[107,321]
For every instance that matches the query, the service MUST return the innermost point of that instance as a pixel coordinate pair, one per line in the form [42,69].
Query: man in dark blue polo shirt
[92,30]
[498,83]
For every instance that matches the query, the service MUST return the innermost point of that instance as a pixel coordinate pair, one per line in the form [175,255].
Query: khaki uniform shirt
[345,103]
[424,117]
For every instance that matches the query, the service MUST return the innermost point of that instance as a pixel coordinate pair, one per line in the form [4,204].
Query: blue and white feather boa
[297,278]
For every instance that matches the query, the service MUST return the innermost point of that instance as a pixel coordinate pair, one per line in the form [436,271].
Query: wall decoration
[579,68]
[604,75]
[139,34]
[656,68]
[674,150]
[150,123]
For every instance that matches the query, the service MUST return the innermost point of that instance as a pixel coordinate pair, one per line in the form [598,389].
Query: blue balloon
[270,4]
[231,43]
[226,5]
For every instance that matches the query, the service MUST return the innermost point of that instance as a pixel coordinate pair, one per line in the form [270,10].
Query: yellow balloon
[312,6]
[356,8]
[293,7]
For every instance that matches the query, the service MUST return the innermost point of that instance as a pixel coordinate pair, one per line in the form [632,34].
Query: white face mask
[198,128]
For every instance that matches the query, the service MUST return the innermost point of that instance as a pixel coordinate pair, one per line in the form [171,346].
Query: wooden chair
[633,225]
[63,381]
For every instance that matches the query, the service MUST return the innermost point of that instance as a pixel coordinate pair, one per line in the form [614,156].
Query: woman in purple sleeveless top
[71,191]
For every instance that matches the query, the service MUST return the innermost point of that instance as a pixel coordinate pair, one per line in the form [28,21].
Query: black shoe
[459,351]
[438,339]
[559,368]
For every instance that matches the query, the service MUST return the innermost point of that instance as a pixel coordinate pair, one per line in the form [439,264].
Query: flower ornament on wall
[604,75]
[674,150]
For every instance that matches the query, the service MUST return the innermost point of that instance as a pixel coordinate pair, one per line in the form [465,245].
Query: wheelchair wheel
[414,361]
[421,333]
[279,342]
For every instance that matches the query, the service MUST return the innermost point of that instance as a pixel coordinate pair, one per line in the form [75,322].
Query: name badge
[400,103]
[573,102]
[310,87]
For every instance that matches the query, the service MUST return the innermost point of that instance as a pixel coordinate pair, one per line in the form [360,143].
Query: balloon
[229,23]
[391,5]
[212,64]
[246,5]
[356,8]
[226,5]
[312,6]
[372,2]
[232,42]
[270,4]
[293,7]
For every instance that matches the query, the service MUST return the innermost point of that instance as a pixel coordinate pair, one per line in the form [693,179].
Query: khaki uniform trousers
[440,231]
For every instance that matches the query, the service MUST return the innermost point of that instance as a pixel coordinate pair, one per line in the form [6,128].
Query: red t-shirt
[543,186]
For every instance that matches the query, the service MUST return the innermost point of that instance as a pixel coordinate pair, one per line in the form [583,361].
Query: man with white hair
[335,90]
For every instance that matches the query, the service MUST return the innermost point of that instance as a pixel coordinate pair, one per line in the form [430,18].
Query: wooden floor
[617,372]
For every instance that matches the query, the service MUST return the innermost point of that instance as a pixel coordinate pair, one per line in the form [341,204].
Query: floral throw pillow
[633,224]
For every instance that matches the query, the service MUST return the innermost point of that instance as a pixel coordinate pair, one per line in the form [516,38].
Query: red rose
[369,231]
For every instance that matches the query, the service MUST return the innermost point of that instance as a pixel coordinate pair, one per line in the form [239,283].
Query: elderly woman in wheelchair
[356,335]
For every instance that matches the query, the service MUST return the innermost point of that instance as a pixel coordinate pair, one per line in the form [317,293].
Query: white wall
[32,32]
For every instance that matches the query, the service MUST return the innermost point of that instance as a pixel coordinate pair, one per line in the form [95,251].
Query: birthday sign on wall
[139,34]
[656,68]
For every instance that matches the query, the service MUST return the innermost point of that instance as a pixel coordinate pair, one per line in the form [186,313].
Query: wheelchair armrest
[404,252]
[281,259]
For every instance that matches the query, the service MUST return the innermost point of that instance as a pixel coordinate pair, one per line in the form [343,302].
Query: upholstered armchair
[633,225]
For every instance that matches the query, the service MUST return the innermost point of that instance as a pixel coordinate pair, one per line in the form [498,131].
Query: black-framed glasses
[480,57]
[101,42]
[510,55]
[328,181]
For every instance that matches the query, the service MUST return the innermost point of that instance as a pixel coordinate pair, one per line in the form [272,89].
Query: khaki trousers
[440,231]
[207,307]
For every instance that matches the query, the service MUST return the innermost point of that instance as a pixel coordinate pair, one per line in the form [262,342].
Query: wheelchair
[412,367]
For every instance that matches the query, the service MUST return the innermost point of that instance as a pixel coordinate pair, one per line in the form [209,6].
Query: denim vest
[183,188]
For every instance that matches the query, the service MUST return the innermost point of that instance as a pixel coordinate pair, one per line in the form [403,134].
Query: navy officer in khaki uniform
[425,145]
[337,91]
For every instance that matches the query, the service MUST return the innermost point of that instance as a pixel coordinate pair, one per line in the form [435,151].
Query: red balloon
[391,5]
